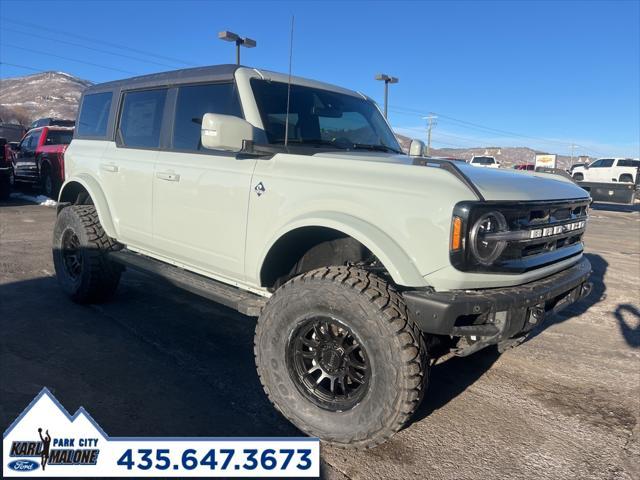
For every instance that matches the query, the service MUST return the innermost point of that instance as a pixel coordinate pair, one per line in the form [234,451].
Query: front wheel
[339,357]
[80,248]
[578,177]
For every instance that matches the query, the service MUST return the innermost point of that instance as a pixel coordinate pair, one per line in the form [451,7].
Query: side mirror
[225,132]
[416,148]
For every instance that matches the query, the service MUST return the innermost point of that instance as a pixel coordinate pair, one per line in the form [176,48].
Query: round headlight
[486,250]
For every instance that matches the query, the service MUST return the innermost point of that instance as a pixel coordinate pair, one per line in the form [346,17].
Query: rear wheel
[578,177]
[339,357]
[49,184]
[80,248]
[626,177]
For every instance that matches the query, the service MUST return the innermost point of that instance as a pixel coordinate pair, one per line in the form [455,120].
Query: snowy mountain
[48,94]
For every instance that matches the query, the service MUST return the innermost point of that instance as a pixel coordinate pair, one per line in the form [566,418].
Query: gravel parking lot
[158,361]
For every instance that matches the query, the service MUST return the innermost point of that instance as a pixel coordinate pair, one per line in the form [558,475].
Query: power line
[66,42]
[93,40]
[22,66]
[476,126]
[49,54]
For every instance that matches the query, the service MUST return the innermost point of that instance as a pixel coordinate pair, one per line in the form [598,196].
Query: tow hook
[536,314]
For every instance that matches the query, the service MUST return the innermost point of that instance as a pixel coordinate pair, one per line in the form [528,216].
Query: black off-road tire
[578,177]
[377,315]
[96,279]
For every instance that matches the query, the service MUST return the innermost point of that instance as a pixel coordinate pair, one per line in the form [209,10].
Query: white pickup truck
[484,161]
[608,170]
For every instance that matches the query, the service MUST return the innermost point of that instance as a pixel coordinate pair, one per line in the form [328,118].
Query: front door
[600,170]
[24,165]
[200,196]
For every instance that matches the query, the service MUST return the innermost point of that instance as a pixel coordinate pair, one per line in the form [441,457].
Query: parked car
[525,166]
[608,170]
[484,161]
[50,122]
[363,264]
[39,158]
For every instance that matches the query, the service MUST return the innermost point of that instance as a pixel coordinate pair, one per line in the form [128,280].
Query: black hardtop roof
[173,77]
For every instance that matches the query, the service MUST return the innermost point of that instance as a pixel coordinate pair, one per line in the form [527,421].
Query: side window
[596,164]
[627,162]
[141,118]
[30,142]
[94,115]
[193,102]
[607,163]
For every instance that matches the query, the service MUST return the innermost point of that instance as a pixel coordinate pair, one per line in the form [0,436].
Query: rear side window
[58,137]
[193,102]
[627,162]
[94,115]
[141,118]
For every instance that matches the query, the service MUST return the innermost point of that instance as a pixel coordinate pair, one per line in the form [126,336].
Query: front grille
[539,234]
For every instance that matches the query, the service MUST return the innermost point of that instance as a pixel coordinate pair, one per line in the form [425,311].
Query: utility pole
[430,124]
[387,80]
[572,147]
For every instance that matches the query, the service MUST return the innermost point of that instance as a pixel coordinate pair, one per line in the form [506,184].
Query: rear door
[127,166]
[200,196]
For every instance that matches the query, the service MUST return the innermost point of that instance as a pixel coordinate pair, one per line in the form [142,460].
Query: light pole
[387,80]
[238,40]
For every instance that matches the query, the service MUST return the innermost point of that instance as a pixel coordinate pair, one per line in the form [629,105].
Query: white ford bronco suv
[292,202]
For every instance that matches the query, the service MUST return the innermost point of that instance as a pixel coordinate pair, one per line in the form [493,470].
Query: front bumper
[496,315]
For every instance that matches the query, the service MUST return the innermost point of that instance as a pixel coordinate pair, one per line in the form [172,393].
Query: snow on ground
[39,199]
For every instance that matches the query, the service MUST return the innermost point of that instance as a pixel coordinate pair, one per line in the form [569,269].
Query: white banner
[45,441]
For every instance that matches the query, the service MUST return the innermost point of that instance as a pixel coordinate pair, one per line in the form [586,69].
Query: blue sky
[542,74]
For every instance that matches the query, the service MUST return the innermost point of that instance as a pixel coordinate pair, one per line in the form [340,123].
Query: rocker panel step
[244,302]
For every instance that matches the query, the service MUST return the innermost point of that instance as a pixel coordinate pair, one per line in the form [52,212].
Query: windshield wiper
[316,143]
[374,147]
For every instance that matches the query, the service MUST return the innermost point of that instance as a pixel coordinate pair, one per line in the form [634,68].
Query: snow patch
[39,199]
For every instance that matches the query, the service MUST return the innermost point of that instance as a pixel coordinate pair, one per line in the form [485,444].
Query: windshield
[321,118]
[484,160]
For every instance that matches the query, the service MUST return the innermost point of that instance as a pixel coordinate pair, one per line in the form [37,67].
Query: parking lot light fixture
[238,40]
[387,79]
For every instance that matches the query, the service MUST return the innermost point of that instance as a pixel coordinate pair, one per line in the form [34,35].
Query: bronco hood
[498,184]
[492,183]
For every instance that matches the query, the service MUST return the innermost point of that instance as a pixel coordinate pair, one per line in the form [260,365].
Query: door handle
[109,167]
[168,176]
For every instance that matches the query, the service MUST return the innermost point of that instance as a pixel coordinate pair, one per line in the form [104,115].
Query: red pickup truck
[39,158]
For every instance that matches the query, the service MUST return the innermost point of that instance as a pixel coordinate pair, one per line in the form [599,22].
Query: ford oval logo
[23,465]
